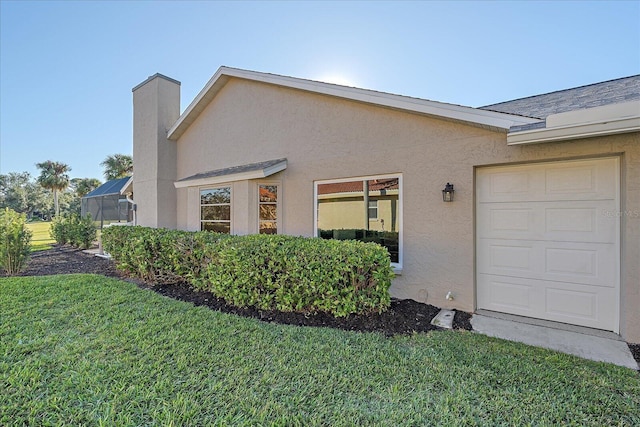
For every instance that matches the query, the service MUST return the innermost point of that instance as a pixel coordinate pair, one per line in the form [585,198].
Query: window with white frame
[373,209]
[367,209]
[268,208]
[215,209]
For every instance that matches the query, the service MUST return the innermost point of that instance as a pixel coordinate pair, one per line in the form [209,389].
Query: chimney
[156,107]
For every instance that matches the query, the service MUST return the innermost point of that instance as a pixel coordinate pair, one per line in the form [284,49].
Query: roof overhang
[599,121]
[232,174]
[474,116]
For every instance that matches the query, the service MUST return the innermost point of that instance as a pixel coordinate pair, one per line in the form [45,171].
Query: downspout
[134,207]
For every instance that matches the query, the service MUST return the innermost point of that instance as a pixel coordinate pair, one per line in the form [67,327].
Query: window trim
[397,266]
[213,187]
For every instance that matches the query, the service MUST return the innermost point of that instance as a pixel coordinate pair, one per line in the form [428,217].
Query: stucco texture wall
[327,138]
[156,105]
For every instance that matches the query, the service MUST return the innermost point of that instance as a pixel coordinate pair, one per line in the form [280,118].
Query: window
[373,209]
[268,209]
[367,209]
[215,209]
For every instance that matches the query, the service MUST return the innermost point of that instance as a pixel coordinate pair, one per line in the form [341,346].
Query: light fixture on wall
[447,193]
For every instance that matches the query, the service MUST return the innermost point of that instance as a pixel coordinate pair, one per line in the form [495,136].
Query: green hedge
[269,272]
[159,255]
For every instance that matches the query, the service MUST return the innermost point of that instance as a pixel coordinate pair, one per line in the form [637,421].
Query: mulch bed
[67,260]
[403,317]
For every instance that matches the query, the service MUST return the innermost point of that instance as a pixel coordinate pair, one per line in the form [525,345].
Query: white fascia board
[433,108]
[128,187]
[474,116]
[582,130]
[214,180]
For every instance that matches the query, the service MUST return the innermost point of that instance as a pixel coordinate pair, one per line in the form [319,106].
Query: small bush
[73,229]
[271,272]
[59,230]
[84,231]
[15,241]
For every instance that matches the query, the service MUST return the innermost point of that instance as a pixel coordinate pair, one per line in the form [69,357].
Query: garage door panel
[507,258]
[560,302]
[580,221]
[590,264]
[572,262]
[563,219]
[572,303]
[506,294]
[547,245]
[579,180]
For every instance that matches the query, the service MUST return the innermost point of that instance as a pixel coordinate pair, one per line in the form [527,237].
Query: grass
[40,240]
[89,350]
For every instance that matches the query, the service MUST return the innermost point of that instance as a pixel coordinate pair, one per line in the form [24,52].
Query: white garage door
[548,241]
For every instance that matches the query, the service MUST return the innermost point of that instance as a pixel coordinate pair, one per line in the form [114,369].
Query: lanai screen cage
[108,204]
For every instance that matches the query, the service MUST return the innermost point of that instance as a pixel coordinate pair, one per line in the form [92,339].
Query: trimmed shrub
[300,274]
[83,231]
[270,272]
[73,229]
[59,230]
[15,241]
[159,255]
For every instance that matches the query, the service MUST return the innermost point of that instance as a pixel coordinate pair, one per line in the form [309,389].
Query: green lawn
[40,240]
[88,350]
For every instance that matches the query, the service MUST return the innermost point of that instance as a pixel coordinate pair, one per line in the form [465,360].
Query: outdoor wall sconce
[447,193]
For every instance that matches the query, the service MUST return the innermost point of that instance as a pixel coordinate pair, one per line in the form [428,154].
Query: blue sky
[67,68]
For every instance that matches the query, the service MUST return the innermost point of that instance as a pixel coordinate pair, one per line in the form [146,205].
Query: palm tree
[117,166]
[54,177]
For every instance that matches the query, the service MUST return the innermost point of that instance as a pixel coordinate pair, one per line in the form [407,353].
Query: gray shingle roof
[594,95]
[234,170]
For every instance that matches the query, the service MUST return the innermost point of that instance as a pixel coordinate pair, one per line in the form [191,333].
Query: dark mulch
[403,317]
[635,350]
[67,260]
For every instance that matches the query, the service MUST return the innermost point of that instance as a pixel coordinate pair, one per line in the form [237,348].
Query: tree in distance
[54,176]
[117,166]
[20,193]
[84,186]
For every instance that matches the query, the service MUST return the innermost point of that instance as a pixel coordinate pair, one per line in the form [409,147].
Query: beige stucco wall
[326,138]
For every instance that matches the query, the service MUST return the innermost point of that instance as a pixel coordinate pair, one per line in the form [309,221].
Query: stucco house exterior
[545,217]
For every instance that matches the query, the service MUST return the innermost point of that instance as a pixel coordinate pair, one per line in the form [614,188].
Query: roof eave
[219,179]
[577,131]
